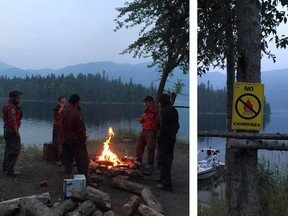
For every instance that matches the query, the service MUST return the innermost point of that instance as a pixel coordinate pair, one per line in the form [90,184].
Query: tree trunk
[244,194]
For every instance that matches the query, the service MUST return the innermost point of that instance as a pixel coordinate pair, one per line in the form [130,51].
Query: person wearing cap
[166,138]
[147,136]
[74,137]
[12,115]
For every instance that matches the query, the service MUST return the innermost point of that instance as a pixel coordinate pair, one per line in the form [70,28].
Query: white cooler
[77,183]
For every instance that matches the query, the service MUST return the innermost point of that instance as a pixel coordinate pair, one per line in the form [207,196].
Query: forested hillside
[214,100]
[91,87]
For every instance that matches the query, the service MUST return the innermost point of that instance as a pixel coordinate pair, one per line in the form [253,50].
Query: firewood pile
[87,202]
[126,167]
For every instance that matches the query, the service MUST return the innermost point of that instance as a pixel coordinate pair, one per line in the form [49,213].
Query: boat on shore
[206,167]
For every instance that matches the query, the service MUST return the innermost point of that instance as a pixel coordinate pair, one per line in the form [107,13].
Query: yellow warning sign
[247,110]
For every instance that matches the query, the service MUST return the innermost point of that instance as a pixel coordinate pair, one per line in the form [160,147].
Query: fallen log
[130,205]
[36,208]
[100,200]
[85,209]
[97,213]
[147,211]
[9,209]
[109,213]
[127,185]
[151,200]
[60,209]
[134,173]
[44,198]
[100,193]
[116,171]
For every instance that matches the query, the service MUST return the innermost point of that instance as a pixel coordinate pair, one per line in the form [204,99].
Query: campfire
[109,161]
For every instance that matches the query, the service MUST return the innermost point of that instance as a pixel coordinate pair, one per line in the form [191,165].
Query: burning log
[147,211]
[104,162]
[99,198]
[127,185]
[85,209]
[109,213]
[151,200]
[97,213]
[131,205]
[60,209]
[36,208]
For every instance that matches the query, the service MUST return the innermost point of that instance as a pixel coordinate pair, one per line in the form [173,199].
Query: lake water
[277,121]
[37,122]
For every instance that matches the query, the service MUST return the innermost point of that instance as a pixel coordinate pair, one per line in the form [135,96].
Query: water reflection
[36,126]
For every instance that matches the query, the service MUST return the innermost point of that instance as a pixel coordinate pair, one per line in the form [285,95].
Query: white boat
[207,167]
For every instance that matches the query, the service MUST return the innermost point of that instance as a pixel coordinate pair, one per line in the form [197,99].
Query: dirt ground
[34,168]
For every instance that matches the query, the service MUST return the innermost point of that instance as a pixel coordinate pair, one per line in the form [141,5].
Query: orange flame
[107,154]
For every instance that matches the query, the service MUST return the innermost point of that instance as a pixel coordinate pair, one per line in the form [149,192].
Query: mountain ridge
[137,73]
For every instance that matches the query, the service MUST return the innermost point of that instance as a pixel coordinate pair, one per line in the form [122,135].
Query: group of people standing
[159,128]
[158,135]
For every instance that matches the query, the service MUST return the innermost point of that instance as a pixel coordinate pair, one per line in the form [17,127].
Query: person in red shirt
[12,115]
[147,137]
[74,137]
[56,136]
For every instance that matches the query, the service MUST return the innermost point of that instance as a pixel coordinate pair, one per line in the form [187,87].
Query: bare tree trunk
[244,196]
[230,54]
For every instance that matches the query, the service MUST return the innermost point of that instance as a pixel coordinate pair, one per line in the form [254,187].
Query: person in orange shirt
[12,115]
[147,137]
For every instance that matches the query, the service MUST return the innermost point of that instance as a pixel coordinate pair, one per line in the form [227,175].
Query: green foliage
[91,87]
[124,134]
[217,30]
[273,187]
[210,100]
[164,33]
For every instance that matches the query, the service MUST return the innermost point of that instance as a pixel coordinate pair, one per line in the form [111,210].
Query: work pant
[12,151]
[165,153]
[57,141]
[75,149]
[146,138]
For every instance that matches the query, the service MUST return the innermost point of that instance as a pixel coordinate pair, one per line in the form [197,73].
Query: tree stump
[49,152]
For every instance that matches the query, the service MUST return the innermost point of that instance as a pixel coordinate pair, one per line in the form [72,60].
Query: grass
[273,189]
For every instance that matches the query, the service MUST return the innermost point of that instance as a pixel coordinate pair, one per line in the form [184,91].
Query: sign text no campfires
[247,110]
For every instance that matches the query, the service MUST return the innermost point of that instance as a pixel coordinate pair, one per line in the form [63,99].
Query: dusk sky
[54,34]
